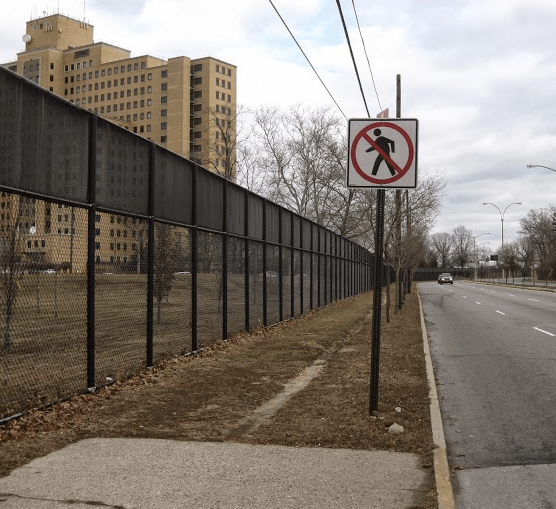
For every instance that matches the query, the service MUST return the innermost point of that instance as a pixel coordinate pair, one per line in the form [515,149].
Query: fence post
[301,309]
[224,275]
[281,266]
[318,268]
[91,198]
[292,268]
[150,258]
[265,286]
[194,260]
[311,270]
[247,264]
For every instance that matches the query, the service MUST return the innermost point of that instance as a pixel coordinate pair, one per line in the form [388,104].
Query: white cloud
[478,75]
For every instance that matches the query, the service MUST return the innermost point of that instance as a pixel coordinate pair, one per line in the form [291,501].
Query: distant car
[445,277]
[183,273]
[49,271]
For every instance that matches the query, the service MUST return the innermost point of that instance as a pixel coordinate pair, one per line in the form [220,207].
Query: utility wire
[352,57]
[306,58]
[365,50]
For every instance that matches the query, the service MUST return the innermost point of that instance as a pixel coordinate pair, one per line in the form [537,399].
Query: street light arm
[515,203]
[540,166]
[488,203]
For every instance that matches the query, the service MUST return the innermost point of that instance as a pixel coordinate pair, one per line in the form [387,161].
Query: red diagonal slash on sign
[384,155]
[362,135]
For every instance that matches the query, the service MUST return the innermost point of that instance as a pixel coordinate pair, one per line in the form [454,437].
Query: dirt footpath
[303,383]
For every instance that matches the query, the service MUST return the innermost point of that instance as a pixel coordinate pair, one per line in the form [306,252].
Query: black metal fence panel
[116,253]
[122,169]
[43,141]
[173,185]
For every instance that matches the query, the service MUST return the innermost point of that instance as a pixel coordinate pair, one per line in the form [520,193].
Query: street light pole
[502,220]
[502,216]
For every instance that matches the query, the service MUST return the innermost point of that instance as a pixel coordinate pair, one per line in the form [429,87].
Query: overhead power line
[307,58]
[352,57]
[367,56]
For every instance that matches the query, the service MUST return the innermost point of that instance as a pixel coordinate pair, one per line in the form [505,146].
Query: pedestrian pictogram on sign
[382,153]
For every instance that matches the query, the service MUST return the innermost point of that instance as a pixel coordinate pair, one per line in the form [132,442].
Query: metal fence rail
[116,253]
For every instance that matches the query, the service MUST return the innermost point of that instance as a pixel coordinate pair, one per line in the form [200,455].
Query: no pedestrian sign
[383,153]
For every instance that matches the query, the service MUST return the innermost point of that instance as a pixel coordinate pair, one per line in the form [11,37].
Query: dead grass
[206,397]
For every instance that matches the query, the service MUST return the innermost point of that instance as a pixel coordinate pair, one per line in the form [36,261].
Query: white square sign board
[382,153]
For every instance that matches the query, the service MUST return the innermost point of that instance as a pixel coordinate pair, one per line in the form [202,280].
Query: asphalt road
[494,350]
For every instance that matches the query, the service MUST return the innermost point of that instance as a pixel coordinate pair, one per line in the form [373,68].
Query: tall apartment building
[186,105]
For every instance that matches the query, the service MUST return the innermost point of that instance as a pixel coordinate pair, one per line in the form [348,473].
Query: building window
[217,82]
[163,125]
[163,113]
[164,86]
[164,99]
[164,74]
[163,139]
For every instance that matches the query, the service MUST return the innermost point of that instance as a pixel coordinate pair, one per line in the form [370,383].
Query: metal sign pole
[377,294]
[377,301]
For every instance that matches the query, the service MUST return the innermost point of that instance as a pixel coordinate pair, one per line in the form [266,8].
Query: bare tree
[229,134]
[462,246]
[167,249]
[536,227]
[10,266]
[442,244]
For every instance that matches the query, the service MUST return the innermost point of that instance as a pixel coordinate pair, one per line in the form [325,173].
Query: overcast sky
[479,75]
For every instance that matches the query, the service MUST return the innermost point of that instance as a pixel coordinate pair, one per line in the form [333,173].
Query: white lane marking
[511,295]
[534,300]
[478,303]
[543,331]
[464,296]
[499,312]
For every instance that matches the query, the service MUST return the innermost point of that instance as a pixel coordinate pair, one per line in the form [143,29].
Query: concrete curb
[441,469]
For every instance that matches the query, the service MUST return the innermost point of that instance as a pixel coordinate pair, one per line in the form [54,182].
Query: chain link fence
[116,254]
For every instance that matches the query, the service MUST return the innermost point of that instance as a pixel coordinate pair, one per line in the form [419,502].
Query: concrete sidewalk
[139,473]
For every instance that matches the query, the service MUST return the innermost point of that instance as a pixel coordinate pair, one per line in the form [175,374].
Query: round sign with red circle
[382,153]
